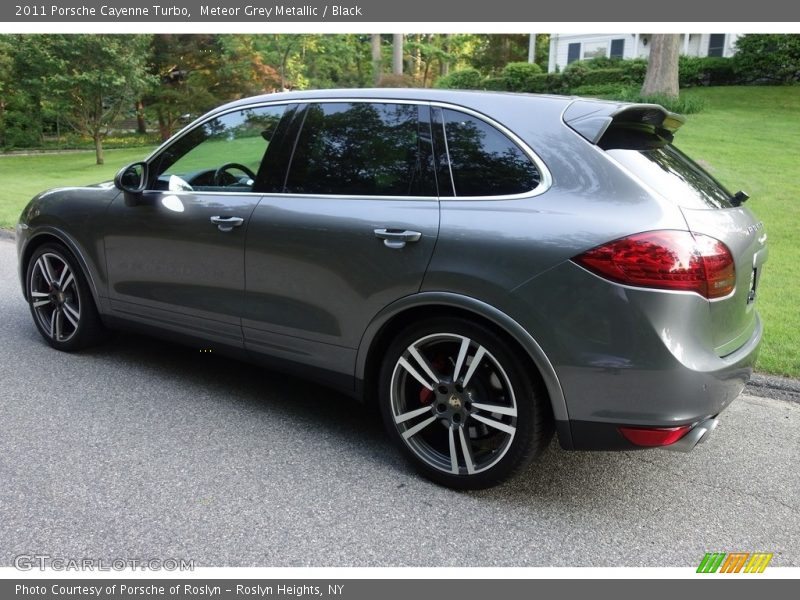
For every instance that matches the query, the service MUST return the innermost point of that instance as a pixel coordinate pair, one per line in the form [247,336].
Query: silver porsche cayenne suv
[487,269]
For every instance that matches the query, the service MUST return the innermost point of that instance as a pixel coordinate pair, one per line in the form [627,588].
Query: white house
[566,48]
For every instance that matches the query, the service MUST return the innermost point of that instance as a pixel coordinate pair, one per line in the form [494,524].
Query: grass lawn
[22,177]
[748,137]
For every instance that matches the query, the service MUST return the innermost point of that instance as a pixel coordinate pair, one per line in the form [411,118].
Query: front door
[175,256]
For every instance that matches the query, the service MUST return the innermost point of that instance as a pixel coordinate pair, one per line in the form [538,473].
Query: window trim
[545,182]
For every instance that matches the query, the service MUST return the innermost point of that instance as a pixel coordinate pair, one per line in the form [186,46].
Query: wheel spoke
[59,324]
[40,294]
[71,314]
[68,280]
[474,365]
[453,455]
[53,324]
[462,355]
[496,424]
[494,408]
[414,373]
[423,363]
[44,270]
[465,448]
[411,414]
[39,303]
[418,427]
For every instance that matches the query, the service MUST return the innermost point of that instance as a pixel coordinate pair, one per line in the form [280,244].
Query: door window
[362,149]
[224,154]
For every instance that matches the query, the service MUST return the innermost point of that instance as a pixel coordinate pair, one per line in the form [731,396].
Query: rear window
[670,172]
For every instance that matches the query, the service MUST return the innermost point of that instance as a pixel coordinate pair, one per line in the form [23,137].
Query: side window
[223,154]
[362,149]
[483,160]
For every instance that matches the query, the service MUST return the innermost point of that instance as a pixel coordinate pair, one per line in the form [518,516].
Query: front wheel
[60,300]
[462,407]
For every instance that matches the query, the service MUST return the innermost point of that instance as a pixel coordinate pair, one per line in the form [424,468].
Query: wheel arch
[51,235]
[393,318]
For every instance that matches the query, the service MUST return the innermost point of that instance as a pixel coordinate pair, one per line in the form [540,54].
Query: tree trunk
[163,127]
[141,126]
[397,54]
[98,148]
[377,59]
[662,66]
[444,64]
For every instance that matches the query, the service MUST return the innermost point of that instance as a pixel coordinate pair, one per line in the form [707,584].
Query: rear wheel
[60,300]
[460,405]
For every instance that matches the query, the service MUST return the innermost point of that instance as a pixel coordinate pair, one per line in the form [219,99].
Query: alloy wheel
[54,297]
[453,404]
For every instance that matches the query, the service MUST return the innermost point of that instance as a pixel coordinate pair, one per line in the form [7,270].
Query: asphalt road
[141,449]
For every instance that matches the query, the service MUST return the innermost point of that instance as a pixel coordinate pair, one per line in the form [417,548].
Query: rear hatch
[639,137]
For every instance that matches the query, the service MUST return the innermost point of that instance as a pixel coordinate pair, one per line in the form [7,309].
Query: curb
[773,386]
[7,234]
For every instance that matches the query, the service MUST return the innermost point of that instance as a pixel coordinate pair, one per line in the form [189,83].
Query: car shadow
[553,476]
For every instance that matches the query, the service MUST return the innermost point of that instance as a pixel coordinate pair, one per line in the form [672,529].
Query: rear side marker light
[668,260]
[654,436]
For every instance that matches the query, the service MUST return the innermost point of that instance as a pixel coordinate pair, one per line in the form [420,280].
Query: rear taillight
[668,260]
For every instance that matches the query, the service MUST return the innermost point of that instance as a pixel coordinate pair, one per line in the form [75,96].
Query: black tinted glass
[676,176]
[371,149]
[484,161]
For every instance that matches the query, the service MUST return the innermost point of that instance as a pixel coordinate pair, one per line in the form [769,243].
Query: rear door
[350,230]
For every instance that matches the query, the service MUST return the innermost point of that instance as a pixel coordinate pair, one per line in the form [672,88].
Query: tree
[96,76]
[397,54]
[662,66]
[377,58]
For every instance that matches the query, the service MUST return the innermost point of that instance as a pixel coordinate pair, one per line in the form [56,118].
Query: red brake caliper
[426,395]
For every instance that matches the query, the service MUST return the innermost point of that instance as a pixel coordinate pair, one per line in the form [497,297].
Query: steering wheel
[232,165]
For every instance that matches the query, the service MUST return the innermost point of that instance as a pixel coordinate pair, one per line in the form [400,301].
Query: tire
[60,300]
[461,426]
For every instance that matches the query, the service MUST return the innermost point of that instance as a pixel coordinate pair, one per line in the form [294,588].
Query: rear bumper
[680,396]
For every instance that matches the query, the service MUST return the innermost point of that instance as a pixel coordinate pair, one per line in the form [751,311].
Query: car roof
[463,97]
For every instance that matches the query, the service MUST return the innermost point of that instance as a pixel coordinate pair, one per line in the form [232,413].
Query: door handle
[227,223]
[396,238]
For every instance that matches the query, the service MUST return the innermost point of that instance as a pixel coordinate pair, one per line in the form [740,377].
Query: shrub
[768,58]
[603,77]
[396,81]
[463,79]
[610,91]
[517,75]
[496,84]
[710,70]
[685,105]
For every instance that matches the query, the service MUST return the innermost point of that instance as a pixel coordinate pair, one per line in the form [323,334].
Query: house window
[716,44]
[595,50]
[617,48]
[573,52]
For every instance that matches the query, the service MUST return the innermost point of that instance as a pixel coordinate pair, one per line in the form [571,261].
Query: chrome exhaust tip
[697,434]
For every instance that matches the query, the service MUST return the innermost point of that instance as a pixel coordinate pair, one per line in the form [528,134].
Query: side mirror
[132,179]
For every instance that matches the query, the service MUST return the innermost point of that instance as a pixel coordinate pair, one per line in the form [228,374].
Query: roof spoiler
[592,118]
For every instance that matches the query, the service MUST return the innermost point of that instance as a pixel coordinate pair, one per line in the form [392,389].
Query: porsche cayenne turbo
[489,269]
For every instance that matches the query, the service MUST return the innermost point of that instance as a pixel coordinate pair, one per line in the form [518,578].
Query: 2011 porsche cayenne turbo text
[487,268]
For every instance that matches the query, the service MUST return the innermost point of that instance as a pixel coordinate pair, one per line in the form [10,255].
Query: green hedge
[517,75]
[463,79]
[768,58]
